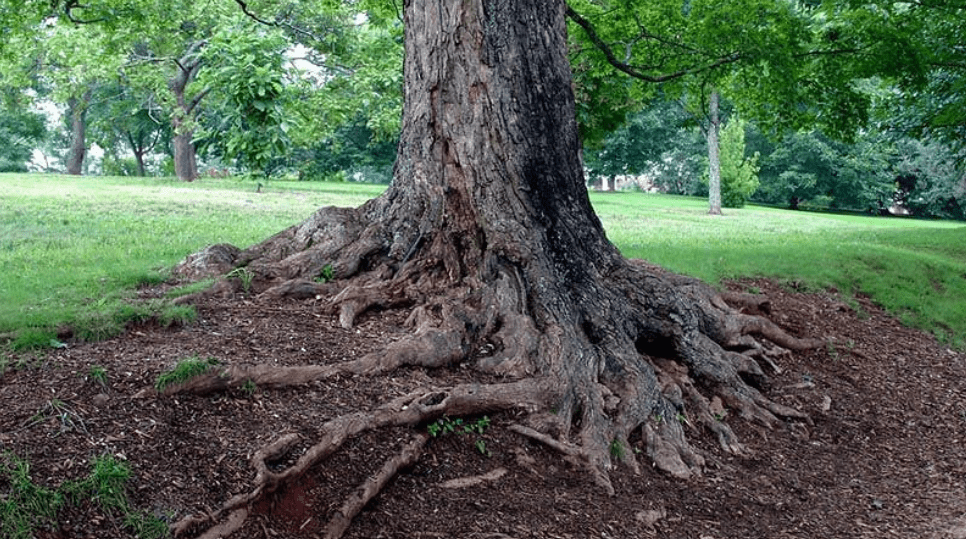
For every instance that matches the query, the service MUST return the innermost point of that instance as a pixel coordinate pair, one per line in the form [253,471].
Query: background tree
[22,131]
[809,170]
[74,61]
[246,71]
[739,171]
[683,47]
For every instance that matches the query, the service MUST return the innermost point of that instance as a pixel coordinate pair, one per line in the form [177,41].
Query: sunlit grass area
[915,268]
[73,250]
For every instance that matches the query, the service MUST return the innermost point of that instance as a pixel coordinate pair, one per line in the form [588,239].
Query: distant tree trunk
[77,108]
[138,148]
[139,158]
[714,157]
[185,159]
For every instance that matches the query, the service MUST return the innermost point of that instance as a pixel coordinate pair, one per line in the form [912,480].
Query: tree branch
[635,71]
[276,23]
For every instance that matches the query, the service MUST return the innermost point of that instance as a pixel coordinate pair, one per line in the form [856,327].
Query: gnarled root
[596,356]
[372,486]
[411,409]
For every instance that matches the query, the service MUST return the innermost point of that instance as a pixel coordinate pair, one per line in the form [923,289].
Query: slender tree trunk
[714,157]
[78,129]
[138,149]
[185,158]
[139,158]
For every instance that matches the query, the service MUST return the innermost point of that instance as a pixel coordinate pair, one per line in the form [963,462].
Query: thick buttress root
[629,352]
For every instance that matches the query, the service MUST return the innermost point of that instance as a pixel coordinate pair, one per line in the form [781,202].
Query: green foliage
[326,275]
[646,143]
[739,172]
[185,370]
[352,150]
[810,170]
[447,425]
[124,119]
[249,387]
[246,66]
[28,507]
[244,276]
[21,131]
[617,450]
[97,374]
[930,182]
[362,79]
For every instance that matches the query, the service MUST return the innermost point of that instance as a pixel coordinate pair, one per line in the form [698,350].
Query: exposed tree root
[651,355]
[412,409]
[372,486]
[488,237]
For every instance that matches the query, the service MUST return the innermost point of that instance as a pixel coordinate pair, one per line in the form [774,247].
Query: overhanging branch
[636,71]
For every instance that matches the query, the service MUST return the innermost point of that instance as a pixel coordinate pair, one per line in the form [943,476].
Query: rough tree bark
[488,237]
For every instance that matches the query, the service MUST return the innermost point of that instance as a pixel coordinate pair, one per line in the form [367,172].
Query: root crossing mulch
[884,453]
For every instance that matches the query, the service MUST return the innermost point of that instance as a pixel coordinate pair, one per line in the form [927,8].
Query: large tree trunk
[714,156]
[488,237]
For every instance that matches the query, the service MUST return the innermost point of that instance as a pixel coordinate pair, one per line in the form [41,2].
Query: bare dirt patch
[884,455]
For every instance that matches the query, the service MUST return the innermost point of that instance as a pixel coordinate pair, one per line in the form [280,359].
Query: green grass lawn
[914,268]
[73,249]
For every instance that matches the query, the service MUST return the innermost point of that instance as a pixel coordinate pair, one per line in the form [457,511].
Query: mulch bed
[884,454]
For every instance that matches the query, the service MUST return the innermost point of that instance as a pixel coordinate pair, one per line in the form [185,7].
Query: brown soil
[884,455]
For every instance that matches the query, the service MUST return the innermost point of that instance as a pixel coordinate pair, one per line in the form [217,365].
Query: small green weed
[617,449]
[146,525]
[185,370]
[326,275]
[830,349]
[249,387]
[105,485]
[480,446]
[97,374]
[244,276]
[448,425]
